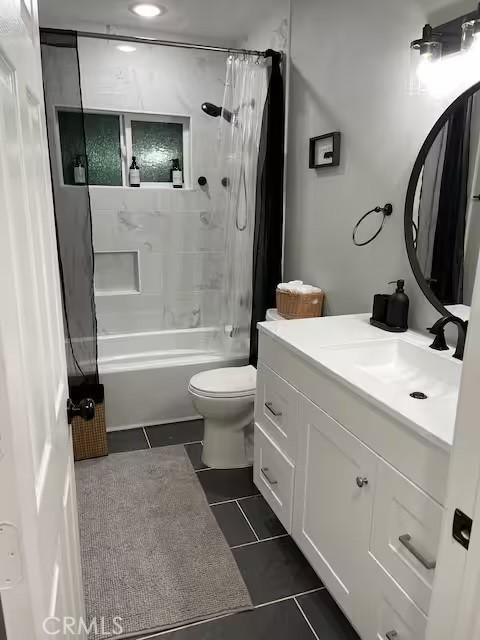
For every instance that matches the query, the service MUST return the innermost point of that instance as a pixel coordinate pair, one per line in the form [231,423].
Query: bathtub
[146,375]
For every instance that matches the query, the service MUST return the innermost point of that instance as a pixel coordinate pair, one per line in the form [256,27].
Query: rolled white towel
[290,286]
[297,286]
[308,288]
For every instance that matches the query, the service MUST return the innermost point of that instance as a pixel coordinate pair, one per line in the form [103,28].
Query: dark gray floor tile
[129,440]
[195,454]
[275,569]
[227,484]
[233,524]
[326,617]
[281,621]
[262,518]
[175,433]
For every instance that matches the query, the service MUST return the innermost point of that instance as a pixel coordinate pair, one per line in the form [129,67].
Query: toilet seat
[230,382]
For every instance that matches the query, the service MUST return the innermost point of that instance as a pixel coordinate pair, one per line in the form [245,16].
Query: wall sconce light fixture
[424,53]
[446,59]
[429,45]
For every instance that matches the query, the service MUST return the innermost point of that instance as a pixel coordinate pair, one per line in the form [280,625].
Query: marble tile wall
[180,243]
[180,259]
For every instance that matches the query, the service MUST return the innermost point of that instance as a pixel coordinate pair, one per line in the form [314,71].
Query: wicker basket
[293,306]
[90,438]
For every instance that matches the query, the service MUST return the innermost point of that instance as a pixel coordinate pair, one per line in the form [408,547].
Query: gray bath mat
[152,552]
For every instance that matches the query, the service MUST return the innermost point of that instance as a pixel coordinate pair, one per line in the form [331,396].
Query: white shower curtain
[244,98]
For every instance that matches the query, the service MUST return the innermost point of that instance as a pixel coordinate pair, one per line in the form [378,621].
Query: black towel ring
[387,211]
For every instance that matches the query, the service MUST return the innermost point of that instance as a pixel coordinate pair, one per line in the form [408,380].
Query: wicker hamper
[293,306]
[90,438]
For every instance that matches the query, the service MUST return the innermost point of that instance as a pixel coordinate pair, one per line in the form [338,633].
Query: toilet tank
[272,314]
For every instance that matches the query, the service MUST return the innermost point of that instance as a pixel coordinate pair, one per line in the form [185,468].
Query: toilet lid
[230,382]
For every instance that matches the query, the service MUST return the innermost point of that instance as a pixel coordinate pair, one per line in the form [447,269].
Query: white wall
[272,33]
[181,249]
[350,72]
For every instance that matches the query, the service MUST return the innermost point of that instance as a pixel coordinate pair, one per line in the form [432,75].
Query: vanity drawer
[276,410]
[273,475]
[395,616]
[405,534]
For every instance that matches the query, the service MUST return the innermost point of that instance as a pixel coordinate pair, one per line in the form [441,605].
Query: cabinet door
[334,489]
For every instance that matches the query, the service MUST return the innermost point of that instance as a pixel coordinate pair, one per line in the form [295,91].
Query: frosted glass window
[155,145]
[96,136]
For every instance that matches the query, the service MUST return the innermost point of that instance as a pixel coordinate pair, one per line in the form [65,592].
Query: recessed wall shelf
[116,273]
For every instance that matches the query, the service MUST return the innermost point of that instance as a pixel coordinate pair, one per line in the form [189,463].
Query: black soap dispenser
[397,308]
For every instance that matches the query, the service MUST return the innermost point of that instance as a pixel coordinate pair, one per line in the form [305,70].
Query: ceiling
[213,21]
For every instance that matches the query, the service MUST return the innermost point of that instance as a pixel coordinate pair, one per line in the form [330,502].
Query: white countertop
[312,339]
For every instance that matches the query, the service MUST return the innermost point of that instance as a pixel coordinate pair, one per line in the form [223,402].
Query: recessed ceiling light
[126,48]
[147,10]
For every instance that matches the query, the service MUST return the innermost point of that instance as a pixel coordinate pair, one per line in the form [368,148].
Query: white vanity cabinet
[359,492]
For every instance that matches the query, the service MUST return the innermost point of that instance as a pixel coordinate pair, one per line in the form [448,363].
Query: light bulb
[425,68]
[126,48]
[147,10]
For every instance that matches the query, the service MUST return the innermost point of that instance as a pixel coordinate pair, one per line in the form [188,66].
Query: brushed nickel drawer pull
[391,635]
[406,540]
[269,406]
[266,475]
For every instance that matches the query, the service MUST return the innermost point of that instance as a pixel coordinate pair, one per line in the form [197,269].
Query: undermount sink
[408,368]
[414,381]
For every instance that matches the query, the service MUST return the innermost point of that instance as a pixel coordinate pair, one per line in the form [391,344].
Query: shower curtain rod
[171,43]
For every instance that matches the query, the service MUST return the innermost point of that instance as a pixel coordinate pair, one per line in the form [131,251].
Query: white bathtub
[146,375]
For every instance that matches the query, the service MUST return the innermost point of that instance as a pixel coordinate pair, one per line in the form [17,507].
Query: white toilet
[225,398]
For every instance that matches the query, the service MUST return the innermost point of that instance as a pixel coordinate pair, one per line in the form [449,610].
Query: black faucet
[438,330]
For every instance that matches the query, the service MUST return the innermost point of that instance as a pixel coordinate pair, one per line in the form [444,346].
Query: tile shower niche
[116,272]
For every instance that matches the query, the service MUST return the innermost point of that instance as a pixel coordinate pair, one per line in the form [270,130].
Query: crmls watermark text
[65,627]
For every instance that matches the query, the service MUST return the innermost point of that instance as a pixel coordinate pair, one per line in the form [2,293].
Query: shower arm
[269,53]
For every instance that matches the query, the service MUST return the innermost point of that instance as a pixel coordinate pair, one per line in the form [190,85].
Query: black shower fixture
[215,112]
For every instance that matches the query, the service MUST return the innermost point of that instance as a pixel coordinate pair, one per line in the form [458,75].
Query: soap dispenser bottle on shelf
[79,174]
[397,307]
[134,173]
[390,312]
[177,174]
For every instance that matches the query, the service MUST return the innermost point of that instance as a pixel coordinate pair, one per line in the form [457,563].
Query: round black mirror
[442,210]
